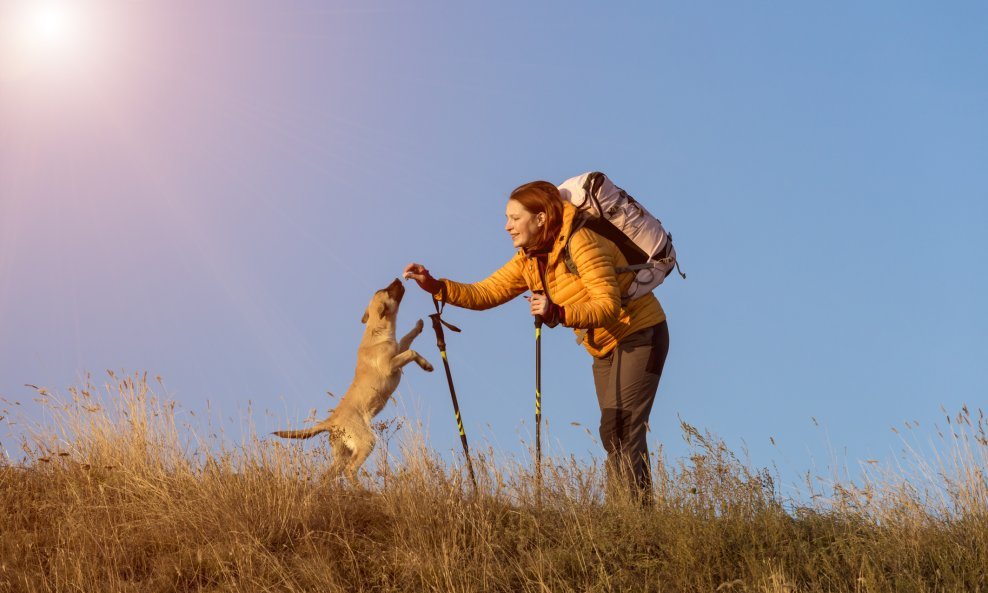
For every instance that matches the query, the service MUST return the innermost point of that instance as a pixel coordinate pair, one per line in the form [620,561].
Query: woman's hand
[539,303]
[421,275]
[551,313]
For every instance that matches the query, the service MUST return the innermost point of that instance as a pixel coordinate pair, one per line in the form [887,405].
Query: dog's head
[384,303]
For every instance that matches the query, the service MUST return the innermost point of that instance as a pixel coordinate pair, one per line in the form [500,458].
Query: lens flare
[49,24]
[50,39]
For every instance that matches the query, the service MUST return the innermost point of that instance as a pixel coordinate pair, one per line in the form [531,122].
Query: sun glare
[52,39]
[51,26]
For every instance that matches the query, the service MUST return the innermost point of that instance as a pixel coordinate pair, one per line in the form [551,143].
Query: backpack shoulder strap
[579,221]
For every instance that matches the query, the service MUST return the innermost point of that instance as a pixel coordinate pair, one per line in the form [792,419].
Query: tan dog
[380,359]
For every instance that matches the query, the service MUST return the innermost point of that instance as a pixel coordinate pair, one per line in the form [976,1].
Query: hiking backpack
[609,211]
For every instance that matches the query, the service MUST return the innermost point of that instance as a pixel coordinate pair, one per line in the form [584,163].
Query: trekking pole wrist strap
[437,320]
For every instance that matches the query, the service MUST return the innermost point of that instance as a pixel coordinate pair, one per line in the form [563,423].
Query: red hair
[542,196]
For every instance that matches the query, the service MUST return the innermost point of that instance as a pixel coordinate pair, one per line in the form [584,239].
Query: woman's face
[522,225]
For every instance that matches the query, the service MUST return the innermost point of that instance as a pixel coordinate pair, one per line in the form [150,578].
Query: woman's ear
[365,318]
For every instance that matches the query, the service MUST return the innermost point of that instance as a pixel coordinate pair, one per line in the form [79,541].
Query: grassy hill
[112,494]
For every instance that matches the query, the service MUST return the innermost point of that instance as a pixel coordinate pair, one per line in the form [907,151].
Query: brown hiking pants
[626,381]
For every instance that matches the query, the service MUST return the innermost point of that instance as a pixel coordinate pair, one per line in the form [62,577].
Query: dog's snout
[396,289]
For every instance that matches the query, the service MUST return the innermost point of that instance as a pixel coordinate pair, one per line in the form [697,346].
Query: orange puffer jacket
[592,299]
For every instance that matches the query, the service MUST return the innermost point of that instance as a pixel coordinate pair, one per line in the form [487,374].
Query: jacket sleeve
[500,287]
[594,259]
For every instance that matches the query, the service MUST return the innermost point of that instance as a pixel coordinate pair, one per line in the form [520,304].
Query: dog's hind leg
[341,459]
[406,342]
[363,445]
[343,444]
[408,356]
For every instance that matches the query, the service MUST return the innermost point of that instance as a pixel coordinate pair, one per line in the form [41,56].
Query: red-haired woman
[628,342]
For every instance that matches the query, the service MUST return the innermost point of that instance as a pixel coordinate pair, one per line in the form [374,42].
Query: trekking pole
[538,403]
[437,325]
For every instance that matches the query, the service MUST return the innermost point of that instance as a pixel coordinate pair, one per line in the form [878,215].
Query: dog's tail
[300,434]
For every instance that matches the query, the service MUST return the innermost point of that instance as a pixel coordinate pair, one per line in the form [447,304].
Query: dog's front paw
[418,326]
[427,366]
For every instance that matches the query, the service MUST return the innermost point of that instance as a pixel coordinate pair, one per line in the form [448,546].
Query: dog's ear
[365,318]
[382,310]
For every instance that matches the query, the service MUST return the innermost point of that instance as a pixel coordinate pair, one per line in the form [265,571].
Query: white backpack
[609,211]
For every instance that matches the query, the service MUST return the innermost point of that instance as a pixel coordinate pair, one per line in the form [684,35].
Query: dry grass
[114,495]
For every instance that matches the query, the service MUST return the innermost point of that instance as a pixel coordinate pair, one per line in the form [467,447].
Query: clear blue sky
[212,193]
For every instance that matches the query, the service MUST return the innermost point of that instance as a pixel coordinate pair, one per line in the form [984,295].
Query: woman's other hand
[551,313]
[421,275]
[539,303]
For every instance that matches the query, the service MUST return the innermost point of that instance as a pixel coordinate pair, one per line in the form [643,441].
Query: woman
[628,342]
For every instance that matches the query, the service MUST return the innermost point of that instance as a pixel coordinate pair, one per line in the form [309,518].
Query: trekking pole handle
[538,318]
[437,325]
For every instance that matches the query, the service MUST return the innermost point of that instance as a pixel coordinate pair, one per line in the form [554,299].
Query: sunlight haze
[212,191]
